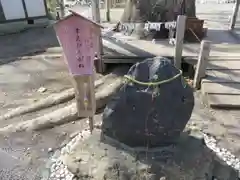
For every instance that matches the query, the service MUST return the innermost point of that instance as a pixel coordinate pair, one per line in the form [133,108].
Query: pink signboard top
[79,38]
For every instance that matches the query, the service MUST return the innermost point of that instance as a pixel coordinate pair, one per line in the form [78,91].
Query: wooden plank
[212,76]
[85,97]
[123,60]
[95,11]
[221,88]
[235,75]
[222,76]
[219,74]
[223,101]
[107,8]
[115,47]
[194,59]
[84,90]
[233,64]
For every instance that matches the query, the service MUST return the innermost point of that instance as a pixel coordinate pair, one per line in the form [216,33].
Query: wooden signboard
[79,38]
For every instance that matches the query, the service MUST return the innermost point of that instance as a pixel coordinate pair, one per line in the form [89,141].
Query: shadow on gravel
[27,43]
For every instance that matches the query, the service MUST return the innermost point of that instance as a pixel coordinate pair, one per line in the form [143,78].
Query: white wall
[35,8]
[13,9]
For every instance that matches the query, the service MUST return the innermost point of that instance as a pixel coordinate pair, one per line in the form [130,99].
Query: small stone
[61,171]
[53,167]
[69,177]
[50,150]
[74,134]
[237,166]
[73,122]
[63,151]
[64,133]
[58,163]
[229,163]
[217,150]
[42,89]
[56,154]
[68,148]
[62,166]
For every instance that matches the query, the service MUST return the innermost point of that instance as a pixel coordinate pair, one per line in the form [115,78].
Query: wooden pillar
[96,11]
[202,63]
[107,7]
[100,67]
[234,15]
[62,8]
[85,97]
[180,31]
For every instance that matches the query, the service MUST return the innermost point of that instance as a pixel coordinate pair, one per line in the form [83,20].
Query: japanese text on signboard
[84,50]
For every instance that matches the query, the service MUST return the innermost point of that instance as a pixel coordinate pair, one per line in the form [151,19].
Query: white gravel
[222,153]
[58,171]
[215,1]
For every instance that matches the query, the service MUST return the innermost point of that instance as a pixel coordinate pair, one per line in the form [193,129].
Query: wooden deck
[126,49]
[220,88]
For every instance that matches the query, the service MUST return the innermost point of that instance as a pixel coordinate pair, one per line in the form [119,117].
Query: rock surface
[155,115]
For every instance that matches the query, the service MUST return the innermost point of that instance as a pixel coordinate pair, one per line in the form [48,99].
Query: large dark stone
[141,115]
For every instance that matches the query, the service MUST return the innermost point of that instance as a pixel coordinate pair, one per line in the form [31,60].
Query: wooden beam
[234,15]
[100,68]
[107,7]
[95,11]
[180,31]
[202,63]
[62,8]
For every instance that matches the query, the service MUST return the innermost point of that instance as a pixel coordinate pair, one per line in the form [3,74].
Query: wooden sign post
[79,38]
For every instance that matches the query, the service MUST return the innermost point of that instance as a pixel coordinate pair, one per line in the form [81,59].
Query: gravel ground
[26,154]
[56,170]
[202,120]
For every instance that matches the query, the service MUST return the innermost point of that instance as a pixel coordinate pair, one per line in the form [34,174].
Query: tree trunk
[138,12]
